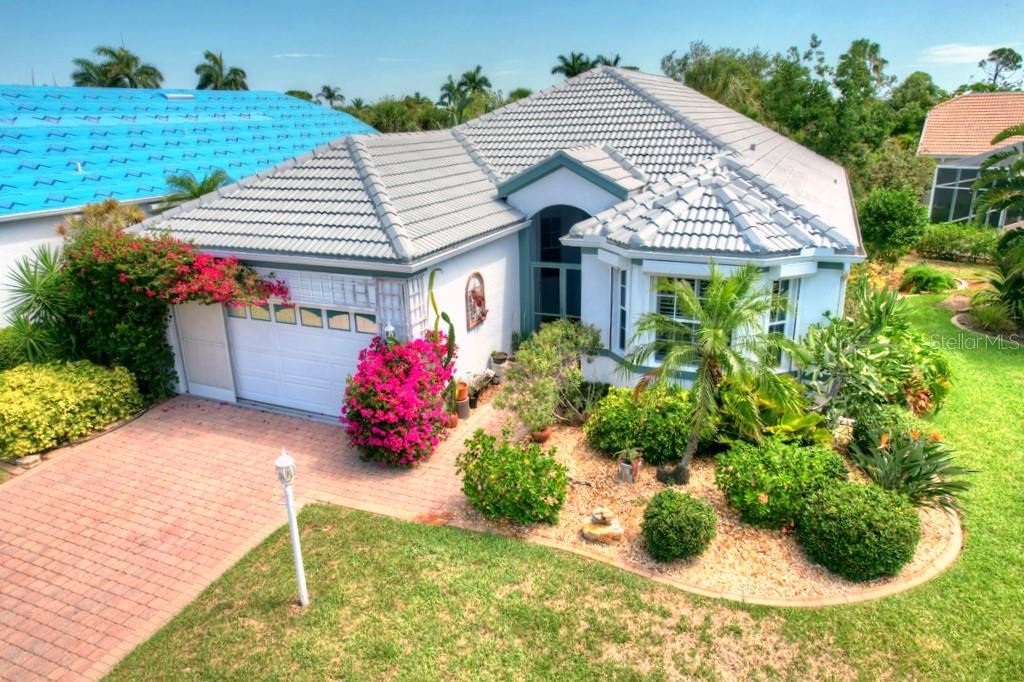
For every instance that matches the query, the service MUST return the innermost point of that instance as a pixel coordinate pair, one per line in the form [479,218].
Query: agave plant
[40,307]
[918,466]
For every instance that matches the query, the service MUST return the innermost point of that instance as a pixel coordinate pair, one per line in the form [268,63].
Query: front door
[555,287]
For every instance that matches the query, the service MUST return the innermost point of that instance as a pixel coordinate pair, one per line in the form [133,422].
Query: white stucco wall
[820,292]
[17,239]
[562,187]
[498,263]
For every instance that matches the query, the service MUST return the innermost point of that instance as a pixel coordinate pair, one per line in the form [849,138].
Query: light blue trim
[560,160]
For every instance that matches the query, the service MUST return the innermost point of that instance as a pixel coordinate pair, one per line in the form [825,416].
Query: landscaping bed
[742,560]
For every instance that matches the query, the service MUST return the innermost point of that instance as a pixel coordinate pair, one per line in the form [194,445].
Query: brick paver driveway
[102,545]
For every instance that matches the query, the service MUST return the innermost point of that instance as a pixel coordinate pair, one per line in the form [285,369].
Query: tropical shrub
[768,483]
[957,241]
[918,466]
[394,405]
[44,405]
[1006,284]
[655,421]
[874,420]
[858,531]
[11,353]
[513,481]
[545,383]
[747,414]
[677,526]
[891,222]
[923,278]
[991,315]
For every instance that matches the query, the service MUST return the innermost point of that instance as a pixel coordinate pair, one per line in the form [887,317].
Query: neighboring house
[958,135]
[61,148]
[570,203]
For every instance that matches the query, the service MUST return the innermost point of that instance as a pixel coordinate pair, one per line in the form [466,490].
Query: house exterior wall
[498,264]
[17,239]
[562,188]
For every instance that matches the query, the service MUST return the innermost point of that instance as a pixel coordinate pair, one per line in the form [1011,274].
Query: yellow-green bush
[42,406]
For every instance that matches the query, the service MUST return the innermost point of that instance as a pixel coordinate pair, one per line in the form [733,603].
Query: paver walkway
[104,544]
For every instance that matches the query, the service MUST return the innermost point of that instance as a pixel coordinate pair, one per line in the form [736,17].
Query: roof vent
[753,146]
[178,95]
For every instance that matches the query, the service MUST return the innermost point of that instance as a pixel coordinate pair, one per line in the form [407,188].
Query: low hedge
[42,406]
[677,526]
[512,481]
[859,531]
[769,483]
[958,241]
[655,421]
[923,278]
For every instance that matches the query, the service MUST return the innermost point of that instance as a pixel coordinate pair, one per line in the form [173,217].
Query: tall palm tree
[357,103]
[331,95]
[725,337]
[573,65]
[213,75]
[613,60]
[1000,183]
[187,187]
[474,81]
[120,68]
[451,92]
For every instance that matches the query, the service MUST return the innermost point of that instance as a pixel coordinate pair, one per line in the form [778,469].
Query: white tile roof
[401,197]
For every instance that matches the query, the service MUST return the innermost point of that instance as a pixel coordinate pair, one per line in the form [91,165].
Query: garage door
[297,356]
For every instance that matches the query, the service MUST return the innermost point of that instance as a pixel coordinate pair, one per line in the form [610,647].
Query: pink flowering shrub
[394,408]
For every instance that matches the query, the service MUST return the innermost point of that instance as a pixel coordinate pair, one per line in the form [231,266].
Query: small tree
[891,221]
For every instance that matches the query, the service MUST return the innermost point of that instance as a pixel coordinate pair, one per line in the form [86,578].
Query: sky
[371,49]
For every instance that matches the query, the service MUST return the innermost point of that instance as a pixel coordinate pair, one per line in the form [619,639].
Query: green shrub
[656,421]
[11,354]
[769,483]
[991,315]
[957,241]
[614,425]
[512,481]
[874,420]
[891,221]
[916,465]
[922,278]
[859,531]
[42,406]
[677,526]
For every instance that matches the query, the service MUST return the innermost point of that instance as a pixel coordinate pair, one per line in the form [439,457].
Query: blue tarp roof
[64,147]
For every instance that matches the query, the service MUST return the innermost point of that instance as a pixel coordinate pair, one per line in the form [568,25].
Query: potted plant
[462,392]
[474,397]
[629,464]
[534,402]
[498,357]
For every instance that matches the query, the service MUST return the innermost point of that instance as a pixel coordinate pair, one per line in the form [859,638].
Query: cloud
[300,55]
[956,53]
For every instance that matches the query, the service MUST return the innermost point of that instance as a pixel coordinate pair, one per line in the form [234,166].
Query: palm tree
[357,103]
[518,93]
[573,65]
[331,95]
[304,95]
[451,92]
[614,60]
[186,188]
[213,75]
[1000,183]
[725,337]
[474,81]
[121,69]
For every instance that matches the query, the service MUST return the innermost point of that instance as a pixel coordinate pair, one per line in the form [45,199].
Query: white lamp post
[286,474]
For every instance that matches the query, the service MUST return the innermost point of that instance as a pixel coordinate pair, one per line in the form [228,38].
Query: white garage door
[298,357]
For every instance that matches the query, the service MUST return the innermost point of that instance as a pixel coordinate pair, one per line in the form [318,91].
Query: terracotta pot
[462,392]
[542,435]
[453,420]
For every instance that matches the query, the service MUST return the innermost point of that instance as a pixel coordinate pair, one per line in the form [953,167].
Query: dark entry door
[555,282]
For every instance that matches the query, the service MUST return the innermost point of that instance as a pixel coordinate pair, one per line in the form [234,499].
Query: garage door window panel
[366,323]
[311,317]
[284,314]
[339,320]
[260,313]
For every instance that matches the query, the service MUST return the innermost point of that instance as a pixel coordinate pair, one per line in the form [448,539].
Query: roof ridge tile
[390,221]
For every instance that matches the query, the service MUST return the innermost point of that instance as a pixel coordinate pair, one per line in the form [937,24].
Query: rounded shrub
[677,526]
[923,278]
[769,483]
[655,421]
[42,406]
[614,424]
[874,420]
[859,531]
[512,481]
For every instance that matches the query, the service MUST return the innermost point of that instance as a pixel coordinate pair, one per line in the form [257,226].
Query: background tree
[728,75]
[474,82]
[330,95]
[728,342]
[1000,67]
[891,222]
[895,165]
[910,102]
[612,60]
[796,97]
[451,92]
[119,68]
[304,95]
[518,93]
[213,75]
[1000,183]
[186,187]
[573,65]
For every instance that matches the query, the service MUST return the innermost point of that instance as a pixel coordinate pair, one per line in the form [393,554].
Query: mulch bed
[742,559]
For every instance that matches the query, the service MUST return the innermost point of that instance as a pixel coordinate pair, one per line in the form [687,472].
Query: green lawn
[401,601]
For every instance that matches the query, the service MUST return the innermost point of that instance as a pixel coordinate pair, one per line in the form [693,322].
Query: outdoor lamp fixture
[389,330]
[285,466]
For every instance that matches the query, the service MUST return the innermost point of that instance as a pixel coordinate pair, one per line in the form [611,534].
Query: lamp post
[285,466]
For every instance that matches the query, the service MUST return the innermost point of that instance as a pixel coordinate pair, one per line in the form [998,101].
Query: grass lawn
[402,601]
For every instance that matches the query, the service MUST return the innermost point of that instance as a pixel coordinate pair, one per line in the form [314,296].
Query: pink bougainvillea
[394,408]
